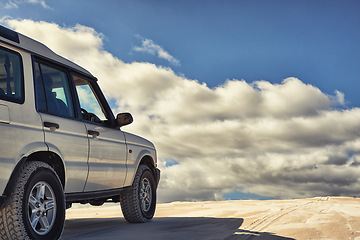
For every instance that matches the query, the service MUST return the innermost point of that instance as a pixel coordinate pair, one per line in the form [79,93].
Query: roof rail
[9,34]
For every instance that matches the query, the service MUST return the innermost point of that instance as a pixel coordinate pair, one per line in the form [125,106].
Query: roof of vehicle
[23,42]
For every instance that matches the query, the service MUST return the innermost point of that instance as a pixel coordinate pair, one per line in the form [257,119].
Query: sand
[313,218]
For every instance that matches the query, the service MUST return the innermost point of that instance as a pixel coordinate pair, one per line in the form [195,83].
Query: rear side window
[11,76]
[52,88]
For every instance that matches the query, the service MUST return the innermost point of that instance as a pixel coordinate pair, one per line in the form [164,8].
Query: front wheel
[35,208]
[138,204]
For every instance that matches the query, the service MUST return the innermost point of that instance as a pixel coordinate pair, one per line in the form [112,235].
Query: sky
[243,99]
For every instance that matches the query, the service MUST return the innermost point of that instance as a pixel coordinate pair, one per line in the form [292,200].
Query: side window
[11,76]
[53,94]
[91,109]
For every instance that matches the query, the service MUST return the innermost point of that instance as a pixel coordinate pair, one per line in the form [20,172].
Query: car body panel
[107,158]
[139,148]
[70,142]
[20,126]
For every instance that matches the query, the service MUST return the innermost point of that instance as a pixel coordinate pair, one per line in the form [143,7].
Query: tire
[36,197]
[138,204]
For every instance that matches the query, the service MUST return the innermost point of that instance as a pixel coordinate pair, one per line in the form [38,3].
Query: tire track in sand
[260,224]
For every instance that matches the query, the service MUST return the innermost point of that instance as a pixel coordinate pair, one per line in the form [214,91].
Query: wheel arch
[54,160]
[149,161]
[48,157]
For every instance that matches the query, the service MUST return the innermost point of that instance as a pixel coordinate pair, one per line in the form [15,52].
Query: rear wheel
[35,208]
[138,204]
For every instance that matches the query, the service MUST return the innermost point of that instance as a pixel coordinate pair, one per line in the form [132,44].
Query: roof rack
[9,34]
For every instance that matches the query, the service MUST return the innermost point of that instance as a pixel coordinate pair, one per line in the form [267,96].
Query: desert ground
[312,218]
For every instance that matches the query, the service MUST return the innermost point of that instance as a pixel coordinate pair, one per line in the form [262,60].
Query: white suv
[61,144]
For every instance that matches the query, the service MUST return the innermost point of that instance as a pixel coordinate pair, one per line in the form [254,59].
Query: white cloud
[15,3]
[148,46]
[276,140]
[10,5]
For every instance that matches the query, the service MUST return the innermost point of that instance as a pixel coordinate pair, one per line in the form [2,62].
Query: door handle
[52,126]
[94,134]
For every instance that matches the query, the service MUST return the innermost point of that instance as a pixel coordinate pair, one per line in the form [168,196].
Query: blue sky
[241,98]
[315,41]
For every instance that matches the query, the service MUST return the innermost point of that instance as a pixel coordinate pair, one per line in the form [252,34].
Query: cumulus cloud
[148,46]
[15,3]
[284,140]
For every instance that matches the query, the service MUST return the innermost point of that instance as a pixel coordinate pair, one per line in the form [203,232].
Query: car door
[65,135]
[107,151]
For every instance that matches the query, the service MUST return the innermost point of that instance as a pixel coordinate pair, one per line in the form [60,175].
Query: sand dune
[313,218]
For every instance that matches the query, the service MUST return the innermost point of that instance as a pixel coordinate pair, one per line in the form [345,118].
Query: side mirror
[124,119]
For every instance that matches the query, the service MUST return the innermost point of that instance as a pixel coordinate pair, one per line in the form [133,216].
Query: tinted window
[11,76]
[53,93]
